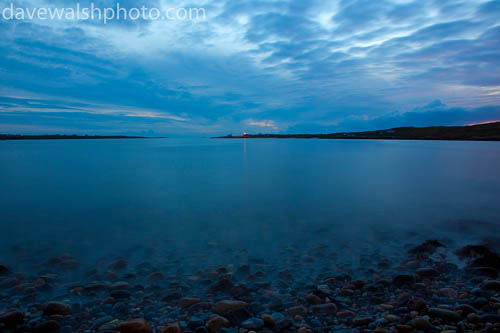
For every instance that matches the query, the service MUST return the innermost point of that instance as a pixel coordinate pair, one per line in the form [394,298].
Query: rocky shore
[430,288]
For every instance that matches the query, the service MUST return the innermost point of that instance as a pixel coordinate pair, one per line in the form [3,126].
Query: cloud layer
[255,66]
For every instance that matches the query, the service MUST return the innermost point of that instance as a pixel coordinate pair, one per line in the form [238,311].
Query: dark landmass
[70,137]
[481,132]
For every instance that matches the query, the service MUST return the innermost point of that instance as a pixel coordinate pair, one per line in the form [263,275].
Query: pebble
[444,314]
[56,308]
[223,307]
[134,326]
[253,324]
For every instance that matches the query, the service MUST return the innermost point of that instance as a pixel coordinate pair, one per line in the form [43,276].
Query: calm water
[97,198]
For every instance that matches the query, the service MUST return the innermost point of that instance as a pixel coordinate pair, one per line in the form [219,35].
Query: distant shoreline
[14,137]
[481,132]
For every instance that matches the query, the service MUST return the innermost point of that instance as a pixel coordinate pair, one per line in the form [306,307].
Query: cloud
[304,64]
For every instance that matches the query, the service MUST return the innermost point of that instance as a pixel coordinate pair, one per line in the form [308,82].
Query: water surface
[99,198]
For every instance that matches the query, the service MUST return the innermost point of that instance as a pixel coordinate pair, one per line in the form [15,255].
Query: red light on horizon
[484,122]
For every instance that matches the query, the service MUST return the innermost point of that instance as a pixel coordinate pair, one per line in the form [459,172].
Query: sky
[273,66]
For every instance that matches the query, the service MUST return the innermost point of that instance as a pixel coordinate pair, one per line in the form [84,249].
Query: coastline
[424,291]
[481,132]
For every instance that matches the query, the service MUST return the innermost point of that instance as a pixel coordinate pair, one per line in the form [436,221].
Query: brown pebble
[134,326]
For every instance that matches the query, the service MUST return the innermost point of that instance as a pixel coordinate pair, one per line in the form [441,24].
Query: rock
[134,326]
[283,324]
[12,319]
[239,290]
[268,320]
[188,301]
[253,324]
[56,308]
[195,322]
[404,328]
[391,318]
[327,308]
[50,326]
[221,285]
[490,318]
[237,316]
[465,309]
[155,276]
[120,285]
[345,314]
[118,264]
[70,263]
[313,299]
[492,285]
[482,271]
[479,256]
[223,307]
[421,324]
[415,304]
[120,294]
[427,272]
[445,314]
[361,321]
[217,322]
[426,248]
[403,279]
[448,292]
[473,318]
[297,310]
[4,270]
[175,328]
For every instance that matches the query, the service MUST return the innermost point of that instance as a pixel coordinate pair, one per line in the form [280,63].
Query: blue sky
[255,66]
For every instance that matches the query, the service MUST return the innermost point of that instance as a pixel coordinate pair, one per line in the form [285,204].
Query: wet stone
[253,324]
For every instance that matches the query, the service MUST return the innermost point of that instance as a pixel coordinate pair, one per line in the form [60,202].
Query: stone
[268,320]
[253,324]
[415,304]
[403,279]
[327,308]
[174,328]
[221,285]
[283,324]
[56,308]
[426,248]
[361,321]
[134,326]
[313,299]
[188,301]
[492,285]
[448,292]
[490,318]
[12,319]
[223,307]
[404,328]
[445,314]
[297,310]
[215,323]
[50,326]
[118,264]
[239,290]
[421,324]
[465,309]
[427,272]
[4,270]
